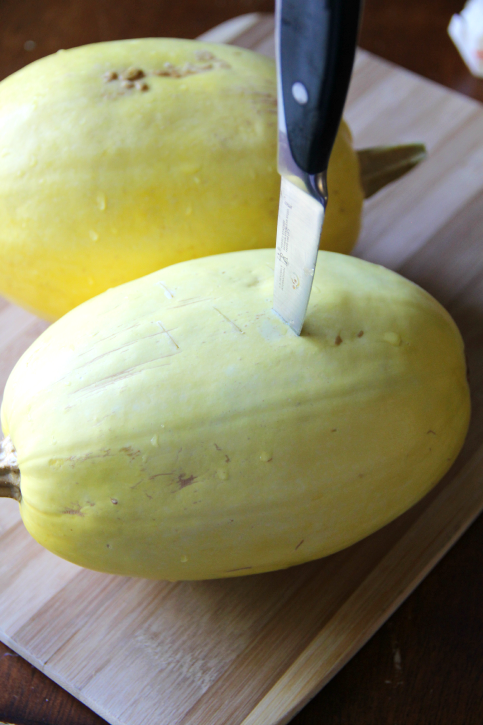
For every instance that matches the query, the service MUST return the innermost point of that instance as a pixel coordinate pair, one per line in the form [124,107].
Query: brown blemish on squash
[299,544]
[217,447]
[208,62]
[267,100]
[431,431]
[114,501]
[186,481]
[89,456]
[132,74]
[359,334]
[110,76]
[129,451]
[338,340]
[227,458]
[74,511]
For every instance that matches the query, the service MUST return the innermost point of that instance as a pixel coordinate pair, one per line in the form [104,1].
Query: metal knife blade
[300,219]
[315,48]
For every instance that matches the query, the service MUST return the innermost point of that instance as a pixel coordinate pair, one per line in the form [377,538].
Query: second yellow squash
[120,158]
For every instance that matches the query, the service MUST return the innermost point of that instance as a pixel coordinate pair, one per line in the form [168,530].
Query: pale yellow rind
[102,183]
[175,428]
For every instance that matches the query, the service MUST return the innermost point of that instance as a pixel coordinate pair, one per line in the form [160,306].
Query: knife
[315,49]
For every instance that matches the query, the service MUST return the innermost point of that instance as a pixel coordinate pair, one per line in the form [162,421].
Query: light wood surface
[254,650]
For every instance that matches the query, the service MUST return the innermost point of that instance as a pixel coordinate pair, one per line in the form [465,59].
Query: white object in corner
[466,32]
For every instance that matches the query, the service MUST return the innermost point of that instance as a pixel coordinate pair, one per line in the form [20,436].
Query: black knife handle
[317,47]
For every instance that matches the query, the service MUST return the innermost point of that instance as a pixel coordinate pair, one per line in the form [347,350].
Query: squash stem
[381,165]
[9,471]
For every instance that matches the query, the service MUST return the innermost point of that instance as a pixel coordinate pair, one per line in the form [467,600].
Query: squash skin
[175,428]
[101,184]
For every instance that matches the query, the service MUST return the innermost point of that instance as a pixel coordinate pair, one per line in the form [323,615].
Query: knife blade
[315,49]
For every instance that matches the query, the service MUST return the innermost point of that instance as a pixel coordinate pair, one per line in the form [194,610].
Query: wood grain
[289,628]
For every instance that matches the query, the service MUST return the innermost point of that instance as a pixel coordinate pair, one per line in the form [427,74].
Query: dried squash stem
[9,472]
[380,165]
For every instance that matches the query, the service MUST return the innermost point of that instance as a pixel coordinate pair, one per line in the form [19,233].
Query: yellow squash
[120,158]
[175,428]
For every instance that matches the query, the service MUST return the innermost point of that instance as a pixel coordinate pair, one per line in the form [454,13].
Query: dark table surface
[425,665]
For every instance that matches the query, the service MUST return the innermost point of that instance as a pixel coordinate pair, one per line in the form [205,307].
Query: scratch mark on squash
[123,374]
[165,331]
[235,326]
[116,349]
[241,568]
[98,422]
[169,294]
[299,544]
[192,301]
[109,337]
[136,484]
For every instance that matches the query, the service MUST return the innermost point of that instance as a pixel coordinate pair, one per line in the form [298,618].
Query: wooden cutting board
[252,651]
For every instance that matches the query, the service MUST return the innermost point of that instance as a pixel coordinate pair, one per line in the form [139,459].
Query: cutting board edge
[55,677]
